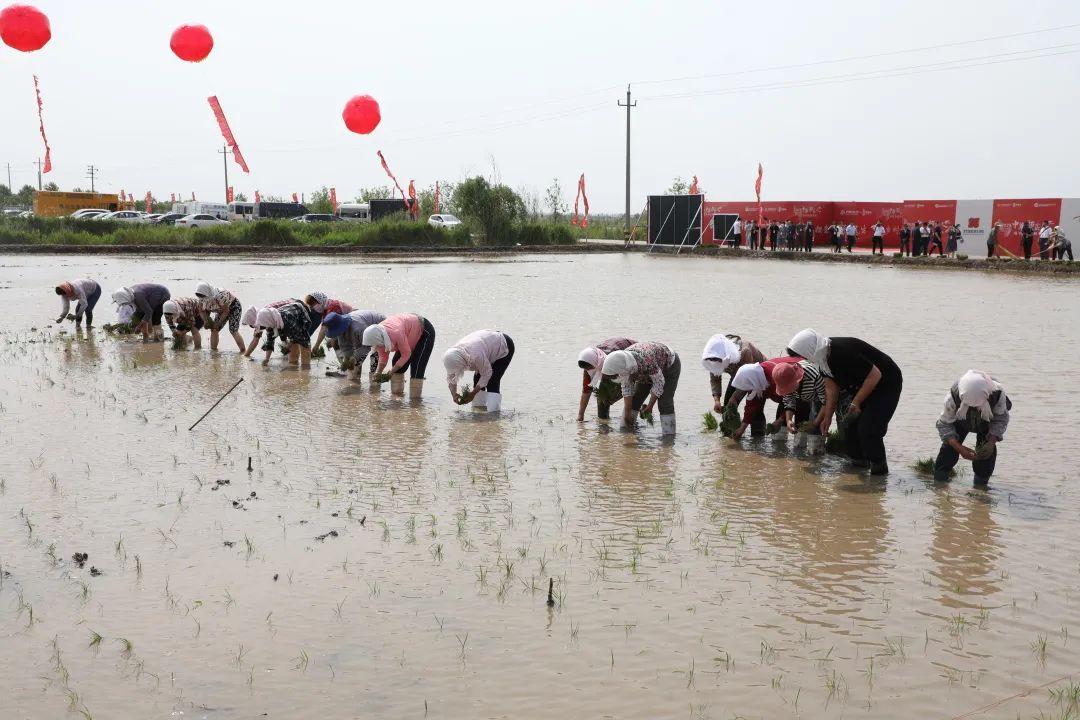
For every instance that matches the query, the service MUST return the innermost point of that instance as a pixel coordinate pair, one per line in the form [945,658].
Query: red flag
[414,204]
[757,191]
[149,202]
[693,187]
[584,222]
[295,198]
[387,169]
[229,194]
[47,167]
[226,132]
[258,197]
[436,197]
[333,199]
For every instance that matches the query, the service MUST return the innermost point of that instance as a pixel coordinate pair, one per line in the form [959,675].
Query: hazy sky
[532,89]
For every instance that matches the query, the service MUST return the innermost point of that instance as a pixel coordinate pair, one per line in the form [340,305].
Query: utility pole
[628,105]
[39,164]
[224,151]
[90,172]
[9,178]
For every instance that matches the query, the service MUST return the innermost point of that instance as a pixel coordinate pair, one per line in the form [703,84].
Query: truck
[218,210]
[60,204]
[277,210]
[385,207]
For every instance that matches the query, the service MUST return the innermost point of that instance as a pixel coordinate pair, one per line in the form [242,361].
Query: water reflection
[965,547]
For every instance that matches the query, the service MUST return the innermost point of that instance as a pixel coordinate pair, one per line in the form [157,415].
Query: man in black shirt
[1027,237]
[905,239]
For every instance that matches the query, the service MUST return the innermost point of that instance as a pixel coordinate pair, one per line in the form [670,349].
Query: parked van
[241,211]
[277,210]
[218,210]
[354,212]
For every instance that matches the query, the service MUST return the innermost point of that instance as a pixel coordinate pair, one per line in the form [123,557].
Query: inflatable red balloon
[192,42]
[24,28]
[361,114]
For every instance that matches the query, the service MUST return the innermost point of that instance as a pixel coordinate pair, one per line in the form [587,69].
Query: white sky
[461,84]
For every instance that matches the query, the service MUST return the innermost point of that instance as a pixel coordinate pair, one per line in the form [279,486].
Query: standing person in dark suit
[955,234]
[808,236]
[774,232]
[935,240]
[1027,237]
[905,239]
[837,232]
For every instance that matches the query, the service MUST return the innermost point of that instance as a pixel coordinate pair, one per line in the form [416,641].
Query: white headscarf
[249,317]
[975,387]
[123,296]
[594,357]
[812,346]
[620,363]
[456,362]
[376,336]
[125,312]
[720,353]
[170,308]
[320,302]
[205,291]
[269,318]
[751,379]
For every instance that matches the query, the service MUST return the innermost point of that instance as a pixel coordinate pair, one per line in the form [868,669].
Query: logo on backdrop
[973,223]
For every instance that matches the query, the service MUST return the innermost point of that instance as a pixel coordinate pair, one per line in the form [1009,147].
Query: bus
[241,211]
[355,212]
[60,204]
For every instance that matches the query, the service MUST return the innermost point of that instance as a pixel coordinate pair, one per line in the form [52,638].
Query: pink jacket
[404,330]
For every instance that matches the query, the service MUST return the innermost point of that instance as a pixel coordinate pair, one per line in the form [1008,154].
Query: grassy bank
[267,234]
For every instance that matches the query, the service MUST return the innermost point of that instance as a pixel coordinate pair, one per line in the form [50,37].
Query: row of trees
[23,198]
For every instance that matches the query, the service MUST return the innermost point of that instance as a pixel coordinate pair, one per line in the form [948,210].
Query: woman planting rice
[803,405]
[347,331]
[411,338]
[976,403]
[591,361]
[184,315]
[725,354]
[142,306]
[322,306]
[758,382]
[487,353]
[649,374]
[293,324]
[85,293]
[220,308]
[249,317]
[855,366]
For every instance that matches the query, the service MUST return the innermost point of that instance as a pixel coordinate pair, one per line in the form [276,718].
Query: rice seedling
[462,394]
[463,642]
[729,421]
[95,639]
[1038,648]
[709,422]
[126,647]
[301,661]
[1067,698]
[241,653]
[835,685]
[767,653]
[647,416]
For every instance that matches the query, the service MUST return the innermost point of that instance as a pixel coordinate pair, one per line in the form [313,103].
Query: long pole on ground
[39,164]
[628,106]
[225,160]
[216,404]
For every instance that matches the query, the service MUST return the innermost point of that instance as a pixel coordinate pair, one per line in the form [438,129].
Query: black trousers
[991,250]
[418,361]
[1067,250]
[1027,248]
[947,457]
[905,246]
[498,368]
[865,436]
[91,301]
[935,243]
[850,242]
[878,244]
[666,402]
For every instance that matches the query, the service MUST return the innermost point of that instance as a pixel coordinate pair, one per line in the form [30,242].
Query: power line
[91,172]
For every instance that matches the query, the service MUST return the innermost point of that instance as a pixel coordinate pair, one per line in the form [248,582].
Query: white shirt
[879,230]
[850,230]
[736,229]
[1045,232]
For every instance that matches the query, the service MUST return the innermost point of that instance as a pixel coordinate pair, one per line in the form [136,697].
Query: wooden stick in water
[216,404]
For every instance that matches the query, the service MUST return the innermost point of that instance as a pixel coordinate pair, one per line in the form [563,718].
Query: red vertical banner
[258,197]
[123,197]
[226,132]
[414,202]
[295,198]
[149,202]
[333,200]
[584,200]
[693,187]
[47,166]
[757,193]
[386,168]
[229,195]
[436,197]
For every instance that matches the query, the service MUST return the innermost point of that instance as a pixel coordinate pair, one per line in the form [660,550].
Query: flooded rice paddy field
[384,559]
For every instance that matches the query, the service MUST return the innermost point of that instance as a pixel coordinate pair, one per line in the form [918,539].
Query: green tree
[51,187]
[25,196]
[319,201]
[554,201]
[5,195]
[376,192]
[427,199]
[240,197]
[494,210]
[678,186]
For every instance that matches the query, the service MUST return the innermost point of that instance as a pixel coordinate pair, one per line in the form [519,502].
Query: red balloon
[24,28]
[192,42]
[361,114]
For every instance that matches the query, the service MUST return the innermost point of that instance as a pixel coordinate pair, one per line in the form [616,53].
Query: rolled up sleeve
[946,423]
[999,423]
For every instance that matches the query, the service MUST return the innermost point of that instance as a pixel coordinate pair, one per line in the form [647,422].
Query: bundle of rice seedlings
[462,394]
[925,466]
[834,443]
[284,347]
[384,377]
[608,392]
[318,352]
[709,422]
[647,416]
[729,421]
[807,426]
[119,328]
[179,342]
[983,450]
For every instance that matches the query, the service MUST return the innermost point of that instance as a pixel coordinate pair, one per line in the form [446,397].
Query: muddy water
[703,579]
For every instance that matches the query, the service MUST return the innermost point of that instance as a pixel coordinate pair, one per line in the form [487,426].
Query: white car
[88,213]
[124,216]
[198,221]
[443,221]
[152,218]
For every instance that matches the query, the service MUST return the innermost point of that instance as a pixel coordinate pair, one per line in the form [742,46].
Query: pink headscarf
[269,318]
[595,358]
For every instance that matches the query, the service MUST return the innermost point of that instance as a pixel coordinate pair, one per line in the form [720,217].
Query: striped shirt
[810,390]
